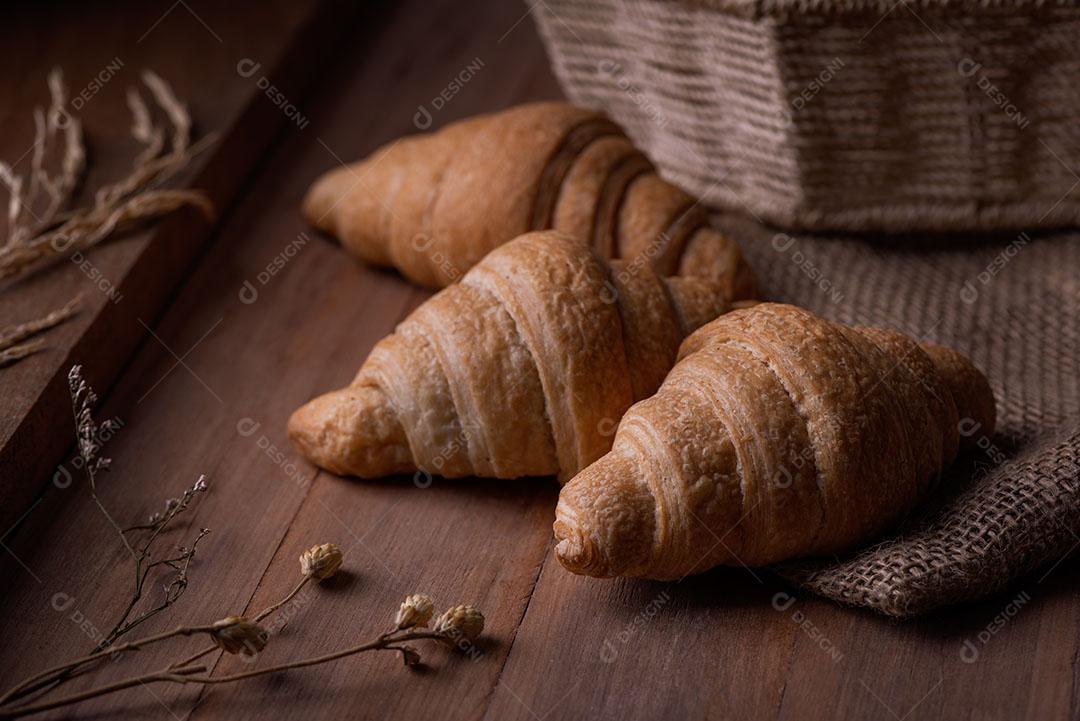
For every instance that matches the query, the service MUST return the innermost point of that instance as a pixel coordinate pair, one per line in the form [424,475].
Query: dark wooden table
[202,379]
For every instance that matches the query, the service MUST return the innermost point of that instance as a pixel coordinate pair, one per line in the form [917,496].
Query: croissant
[433,205]
[521,369]
[777,434]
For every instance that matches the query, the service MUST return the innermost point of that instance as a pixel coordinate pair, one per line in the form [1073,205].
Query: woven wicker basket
[894,115]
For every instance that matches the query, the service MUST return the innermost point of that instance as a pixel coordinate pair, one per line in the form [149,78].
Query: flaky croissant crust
[777,434]
[432,205]
[522,369]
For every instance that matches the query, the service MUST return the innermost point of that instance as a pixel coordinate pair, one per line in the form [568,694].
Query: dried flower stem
[187,674]
[48,676]
[233,634]
[193,657]
[83,400]
[34,682]
[38,238]
[258,617]
[88,432]
[65,670]
[143,566]
[385,642]
[288,597]
[100,691]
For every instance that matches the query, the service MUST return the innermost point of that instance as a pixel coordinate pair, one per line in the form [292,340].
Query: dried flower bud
[410,656]
[460,622]
[236,634]
[416,610]
[321,562]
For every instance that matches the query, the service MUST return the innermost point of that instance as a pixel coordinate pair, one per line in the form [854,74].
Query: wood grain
[729,644]
[197,47]
[238,367]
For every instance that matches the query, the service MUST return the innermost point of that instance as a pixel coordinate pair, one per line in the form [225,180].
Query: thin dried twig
[258,617]
[187,674]
[87,436]
[39,237]
[174,109]
[73,164]
[89,439]
[14,185]
[88,431]
[24,223]
[143,129]
[38,681]
[49,676]
[18,352]
[17,333]
[459,626]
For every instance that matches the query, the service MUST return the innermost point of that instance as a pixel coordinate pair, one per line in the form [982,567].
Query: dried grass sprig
[37,238]
[13,349]
[16,353]
[23,222]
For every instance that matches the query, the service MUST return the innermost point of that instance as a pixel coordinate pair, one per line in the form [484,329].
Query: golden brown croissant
[521,369]
[433,205]
[777,434]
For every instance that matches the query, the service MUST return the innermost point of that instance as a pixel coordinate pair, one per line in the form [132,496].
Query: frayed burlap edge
[1019,518]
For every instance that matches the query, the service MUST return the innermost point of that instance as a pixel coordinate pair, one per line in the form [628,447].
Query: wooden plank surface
[729,644]
[197,48]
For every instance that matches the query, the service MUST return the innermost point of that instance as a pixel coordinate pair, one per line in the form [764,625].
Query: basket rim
[761,9]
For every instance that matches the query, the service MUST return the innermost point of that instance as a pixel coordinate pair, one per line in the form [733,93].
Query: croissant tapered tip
[324,195]
[575,550]
[605,520]
[352,431]
[971,392]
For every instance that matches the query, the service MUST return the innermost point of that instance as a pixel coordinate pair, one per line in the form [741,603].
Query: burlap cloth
[858,116]
[1013,304]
